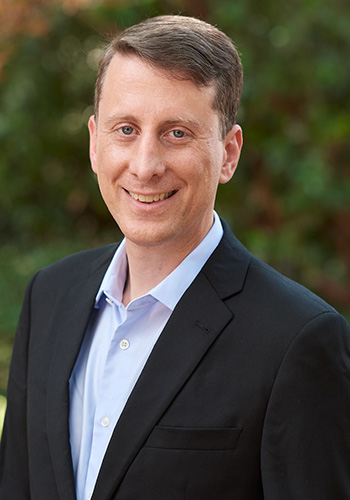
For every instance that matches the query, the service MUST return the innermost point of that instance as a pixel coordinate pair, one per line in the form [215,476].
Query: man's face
[158,154]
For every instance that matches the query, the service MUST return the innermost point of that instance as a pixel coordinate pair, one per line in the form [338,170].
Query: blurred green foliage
[288,201]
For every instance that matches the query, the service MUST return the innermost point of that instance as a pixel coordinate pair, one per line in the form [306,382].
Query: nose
[148,158]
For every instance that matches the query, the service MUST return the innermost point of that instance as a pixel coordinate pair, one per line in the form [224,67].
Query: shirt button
[105,421]
[124,344]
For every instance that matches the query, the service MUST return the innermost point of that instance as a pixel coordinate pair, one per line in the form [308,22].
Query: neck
[149,265]
[146,269]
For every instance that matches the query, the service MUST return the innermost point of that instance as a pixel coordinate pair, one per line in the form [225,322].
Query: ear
[93,142]
[233,144]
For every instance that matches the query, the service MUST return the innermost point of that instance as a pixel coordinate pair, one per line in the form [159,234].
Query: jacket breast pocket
[180,438]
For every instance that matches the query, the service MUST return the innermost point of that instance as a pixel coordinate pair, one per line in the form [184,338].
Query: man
[176,365]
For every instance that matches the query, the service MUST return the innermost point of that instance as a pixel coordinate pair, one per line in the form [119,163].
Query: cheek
[110,162]
[210,169]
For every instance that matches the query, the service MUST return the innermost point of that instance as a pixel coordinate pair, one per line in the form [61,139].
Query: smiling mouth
[151,198]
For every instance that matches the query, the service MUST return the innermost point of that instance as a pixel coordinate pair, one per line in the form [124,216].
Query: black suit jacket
[246,394]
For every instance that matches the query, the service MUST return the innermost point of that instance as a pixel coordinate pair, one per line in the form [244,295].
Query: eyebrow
[190,122]
[117,118]
[182,121]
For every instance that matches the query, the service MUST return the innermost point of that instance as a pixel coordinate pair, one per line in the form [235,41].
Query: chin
[151,237]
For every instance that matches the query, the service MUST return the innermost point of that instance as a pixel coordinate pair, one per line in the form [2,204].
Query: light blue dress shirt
[116,346]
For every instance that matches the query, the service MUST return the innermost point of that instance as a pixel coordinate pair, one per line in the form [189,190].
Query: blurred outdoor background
[289,199]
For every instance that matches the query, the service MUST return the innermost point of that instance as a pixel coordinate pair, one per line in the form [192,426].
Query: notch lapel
[68,326]
[198,319]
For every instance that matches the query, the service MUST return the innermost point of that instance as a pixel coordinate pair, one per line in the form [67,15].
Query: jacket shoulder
[76,266]
[265,293]
[284,292]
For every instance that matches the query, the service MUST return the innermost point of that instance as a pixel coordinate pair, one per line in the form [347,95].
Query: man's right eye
[127,130]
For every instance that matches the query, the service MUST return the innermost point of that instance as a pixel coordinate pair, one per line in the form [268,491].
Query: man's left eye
[178,133]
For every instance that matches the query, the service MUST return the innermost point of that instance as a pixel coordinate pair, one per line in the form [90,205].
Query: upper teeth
[150,198]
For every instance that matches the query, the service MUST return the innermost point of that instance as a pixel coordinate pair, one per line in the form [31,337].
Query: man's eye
[127,130]
[178,133]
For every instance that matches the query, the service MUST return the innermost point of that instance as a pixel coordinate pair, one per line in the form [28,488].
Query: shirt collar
[170,290]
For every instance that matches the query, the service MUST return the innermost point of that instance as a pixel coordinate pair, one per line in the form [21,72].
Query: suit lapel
[68,326]
[198,319]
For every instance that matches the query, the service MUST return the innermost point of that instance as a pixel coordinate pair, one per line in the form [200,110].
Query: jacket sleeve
[14,474]
[306,440]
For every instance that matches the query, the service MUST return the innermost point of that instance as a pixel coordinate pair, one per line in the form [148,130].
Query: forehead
[129,76]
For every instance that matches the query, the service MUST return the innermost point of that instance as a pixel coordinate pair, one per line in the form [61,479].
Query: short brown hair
[189,49]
